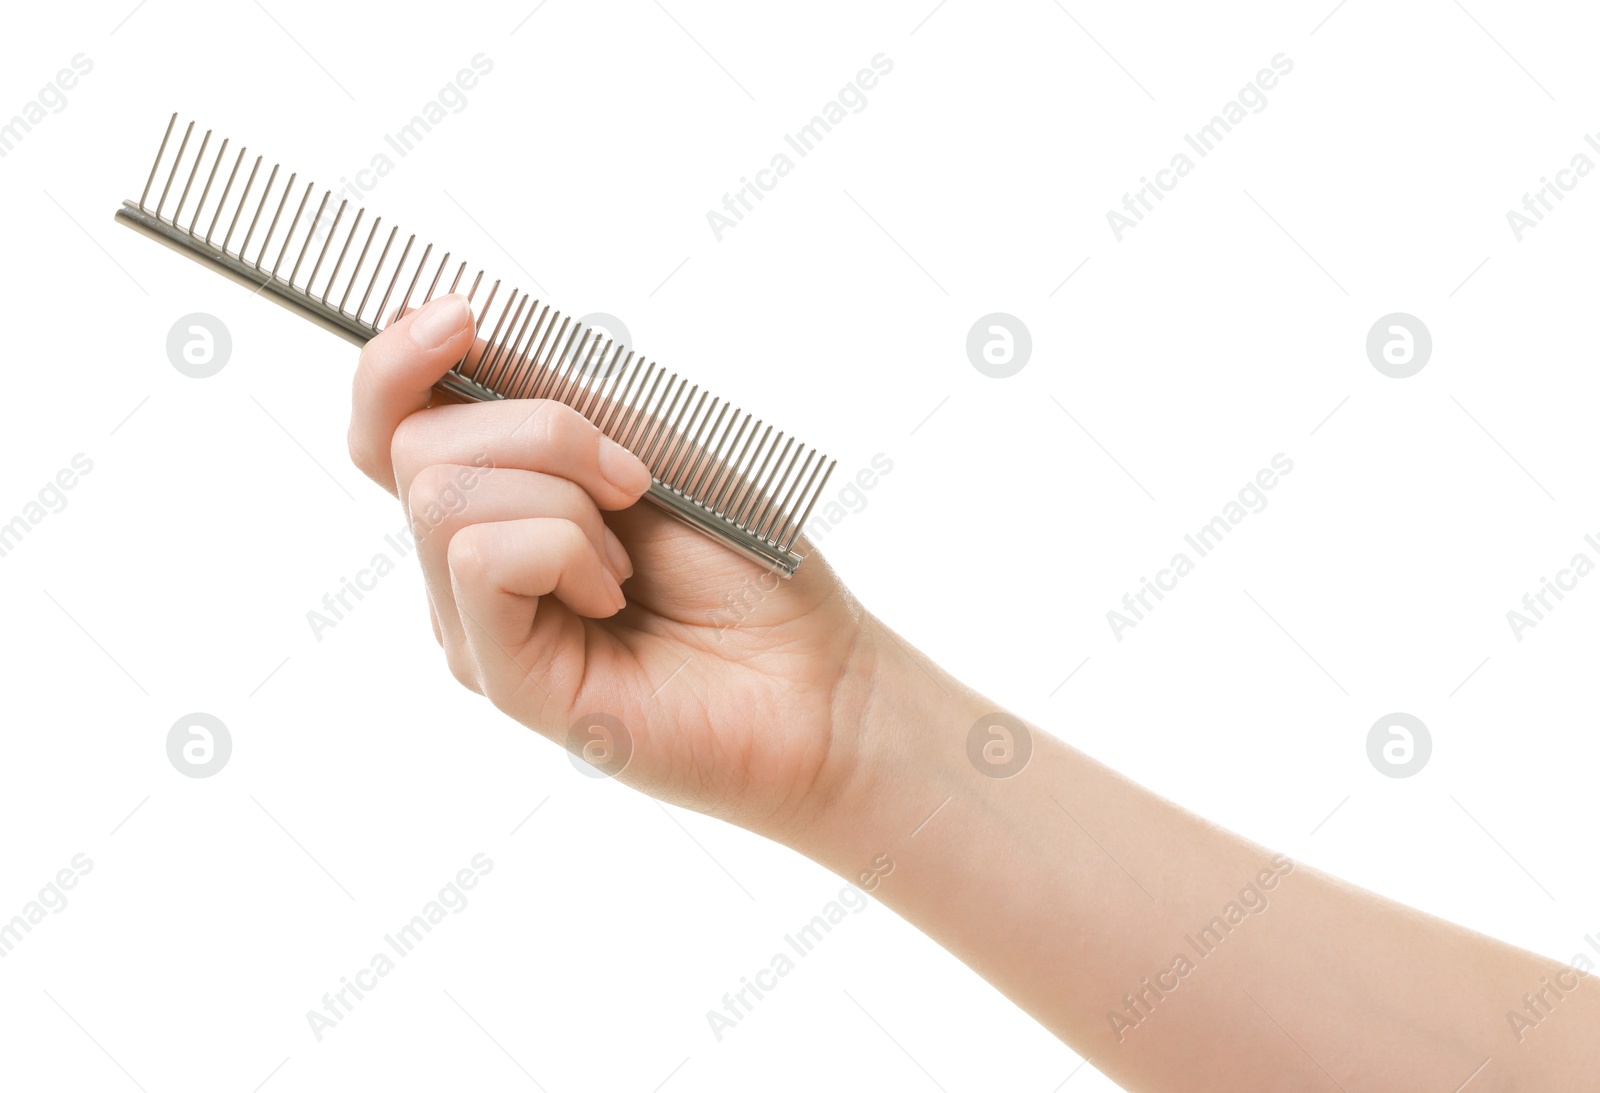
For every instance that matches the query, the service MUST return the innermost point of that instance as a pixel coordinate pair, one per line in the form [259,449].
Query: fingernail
[440,321]
[617,556]
[616,594]
[622,468]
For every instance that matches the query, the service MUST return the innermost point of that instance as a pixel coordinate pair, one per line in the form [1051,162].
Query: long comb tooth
[676,462]
[156,165]
[266,193]
[243,200]
[603,372]
[415,277]
[289,237]
[800,523]
[333,233]
[443,262]
[785,510]
[184,143]
[483,313]
[703,452]
[204,193]
[721,468]
[576,365]
[623,431]
[659,429]
[398,266]
[551,360]
[640,413]
[288,187]
[198,157]
[779,480]
[588,376]
[222,202]
[311,232]
[349,287]
[751,516]
[513,342]
[735,477]
[680,438]
[457,281]
[736,501]
[492,348]
[523,369]
[616,407]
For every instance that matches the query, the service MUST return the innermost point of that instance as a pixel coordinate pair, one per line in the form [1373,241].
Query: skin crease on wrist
[1075,892]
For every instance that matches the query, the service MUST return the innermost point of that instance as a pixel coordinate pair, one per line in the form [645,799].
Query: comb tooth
[289,238]
[676,462]
[243,200]
[576,365]
[333,232]
[222,202]
[377,316]
[751,517]
[602,372]
[786,509]
[184,143]
[457,281]
[590,381]
[800,524]
[521,372]
[443,262]
[615,409]
[680,437]
[550,361]
[483,313]
[492,348]
[415,277]
[702,452]
[310,232]
[207,190]
[771,508]
[198,157]
[723,467]
[568,362]
[154,166]
[630,414]
[266,193]
[735,477]
[513,345]
[711,453]
[659,428]
[349,287]
[741,494]
[641,412]
[288,187]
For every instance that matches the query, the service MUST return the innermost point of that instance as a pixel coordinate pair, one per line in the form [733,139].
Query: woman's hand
[731,683]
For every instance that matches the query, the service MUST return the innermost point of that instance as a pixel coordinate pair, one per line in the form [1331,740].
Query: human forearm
[1174,954]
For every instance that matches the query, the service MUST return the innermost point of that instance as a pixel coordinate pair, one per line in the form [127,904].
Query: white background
[1224,329]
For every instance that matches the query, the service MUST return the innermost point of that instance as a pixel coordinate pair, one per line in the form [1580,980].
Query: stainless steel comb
[715,467]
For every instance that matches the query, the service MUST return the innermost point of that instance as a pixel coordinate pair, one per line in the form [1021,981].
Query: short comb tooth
[222,202]
[244,199]
[198,156]
[288,187]
[154,167]
[815,495]
[204,193]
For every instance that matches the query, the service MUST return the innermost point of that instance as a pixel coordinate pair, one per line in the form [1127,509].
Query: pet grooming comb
[713,466]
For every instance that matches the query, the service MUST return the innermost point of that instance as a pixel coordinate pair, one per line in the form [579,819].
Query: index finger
[395,377]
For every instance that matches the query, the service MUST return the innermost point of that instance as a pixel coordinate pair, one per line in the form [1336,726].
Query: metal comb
[714,466]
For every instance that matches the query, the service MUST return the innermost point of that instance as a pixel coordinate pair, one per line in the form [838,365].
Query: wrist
[897,753]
